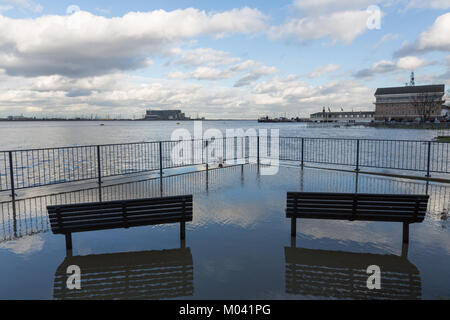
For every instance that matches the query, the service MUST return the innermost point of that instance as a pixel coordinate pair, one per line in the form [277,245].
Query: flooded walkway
[238,245]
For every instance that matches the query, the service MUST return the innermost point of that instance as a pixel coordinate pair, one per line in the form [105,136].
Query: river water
[28,135]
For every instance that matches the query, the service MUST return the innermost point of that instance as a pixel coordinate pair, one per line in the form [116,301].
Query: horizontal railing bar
[223,138]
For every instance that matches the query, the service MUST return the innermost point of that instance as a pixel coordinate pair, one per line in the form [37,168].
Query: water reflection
[343,275]
[28,216]
[157,274]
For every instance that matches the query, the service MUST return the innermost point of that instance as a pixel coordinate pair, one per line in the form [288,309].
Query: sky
[227,59]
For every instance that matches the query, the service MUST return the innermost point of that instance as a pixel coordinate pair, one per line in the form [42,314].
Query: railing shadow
[343,275]
[157,274]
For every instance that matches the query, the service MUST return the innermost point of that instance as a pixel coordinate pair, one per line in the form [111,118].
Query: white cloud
[243,65]
[127,95]
[25,4]
[385,66]
[201,73]
[436,38]
[387,37]
[206,57]
[4,8]
[294,95]
[341,26]
[84,44]
[410,63]
[320,71]
[319,7]
[257,71]
[434,4]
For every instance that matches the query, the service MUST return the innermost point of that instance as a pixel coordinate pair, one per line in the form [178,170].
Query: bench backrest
[119,214]
[357,206]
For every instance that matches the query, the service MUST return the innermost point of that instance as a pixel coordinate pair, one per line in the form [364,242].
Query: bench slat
[117,225]
[116,205]
[354,206]
[65,219]
[129,202]
[95,215]
[120,218]
[377,206]
[386,218]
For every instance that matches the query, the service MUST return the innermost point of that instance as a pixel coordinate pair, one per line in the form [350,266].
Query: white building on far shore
[343,116]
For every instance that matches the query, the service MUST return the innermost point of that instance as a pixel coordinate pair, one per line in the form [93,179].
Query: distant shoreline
[423,126]
[106,120]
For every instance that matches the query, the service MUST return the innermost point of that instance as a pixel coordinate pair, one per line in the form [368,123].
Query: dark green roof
[411,89]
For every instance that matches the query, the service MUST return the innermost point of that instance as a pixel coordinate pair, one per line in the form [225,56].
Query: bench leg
[405,250]
[293,242]
[293,227]
[182,230]
[68,241]
[405,232]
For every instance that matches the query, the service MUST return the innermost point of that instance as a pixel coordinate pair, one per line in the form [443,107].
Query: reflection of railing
[344,275]
[31,215]
[129,275]
[21,169]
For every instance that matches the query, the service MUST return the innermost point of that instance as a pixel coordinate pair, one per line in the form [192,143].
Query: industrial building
[165,115]
[345,117]
[410,103]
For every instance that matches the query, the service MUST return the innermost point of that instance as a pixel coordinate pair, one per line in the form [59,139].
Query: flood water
[238,245]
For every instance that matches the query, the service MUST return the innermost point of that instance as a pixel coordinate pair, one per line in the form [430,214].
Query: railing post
[99,169]
[160,166]
[11,173]
[243,149]
[193,152]
[357,155]
[428,159]
[207,160]
[303,152]
[257,150]
[13,193]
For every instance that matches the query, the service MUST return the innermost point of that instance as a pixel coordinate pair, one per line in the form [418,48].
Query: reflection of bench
[129,275]
[357,206]
[344,275]
[66,219]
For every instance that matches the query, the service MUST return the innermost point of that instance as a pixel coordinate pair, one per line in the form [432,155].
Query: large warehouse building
[410,103]
[165,115]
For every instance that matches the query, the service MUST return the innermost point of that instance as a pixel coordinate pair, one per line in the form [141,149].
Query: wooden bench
[158,274]
[69,218]
[357,206]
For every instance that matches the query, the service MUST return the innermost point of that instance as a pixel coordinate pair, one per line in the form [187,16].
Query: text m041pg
[246,309]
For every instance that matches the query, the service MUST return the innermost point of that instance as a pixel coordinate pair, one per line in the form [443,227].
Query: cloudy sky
[227,59]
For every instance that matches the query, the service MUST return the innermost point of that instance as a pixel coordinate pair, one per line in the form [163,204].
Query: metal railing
[28,216]
[21,169]
[413,155]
